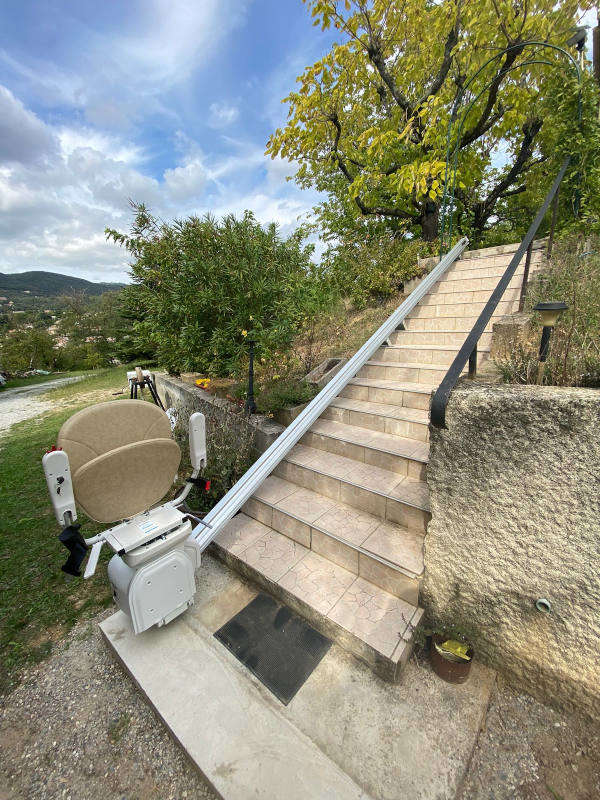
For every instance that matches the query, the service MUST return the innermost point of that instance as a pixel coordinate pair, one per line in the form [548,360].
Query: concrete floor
[371,738]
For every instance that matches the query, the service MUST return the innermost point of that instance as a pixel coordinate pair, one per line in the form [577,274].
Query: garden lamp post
[250,406]
[549,313]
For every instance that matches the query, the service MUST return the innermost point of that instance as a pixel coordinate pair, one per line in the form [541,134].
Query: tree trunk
[430,220]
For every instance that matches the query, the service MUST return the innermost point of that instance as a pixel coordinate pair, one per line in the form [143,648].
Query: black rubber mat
[275,644]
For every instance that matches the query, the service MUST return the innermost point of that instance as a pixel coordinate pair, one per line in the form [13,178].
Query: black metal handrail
[468,351]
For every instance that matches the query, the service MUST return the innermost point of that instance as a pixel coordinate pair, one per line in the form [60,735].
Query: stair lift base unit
[102,464]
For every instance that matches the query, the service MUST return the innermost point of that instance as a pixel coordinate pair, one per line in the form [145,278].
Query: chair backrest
[122,456]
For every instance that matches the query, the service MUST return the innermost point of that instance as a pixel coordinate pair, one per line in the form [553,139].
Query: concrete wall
[187,399]
[515,497]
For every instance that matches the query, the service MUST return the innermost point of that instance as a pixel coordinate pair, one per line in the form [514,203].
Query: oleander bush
[203,287]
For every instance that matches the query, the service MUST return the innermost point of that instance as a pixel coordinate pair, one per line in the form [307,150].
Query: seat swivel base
[154,590]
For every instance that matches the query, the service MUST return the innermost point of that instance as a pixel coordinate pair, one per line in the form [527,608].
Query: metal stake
[250,406]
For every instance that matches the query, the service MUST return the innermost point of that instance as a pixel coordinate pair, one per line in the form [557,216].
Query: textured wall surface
[515,497]
[187,399]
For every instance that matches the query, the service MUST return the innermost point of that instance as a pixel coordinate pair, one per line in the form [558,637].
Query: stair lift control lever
[60,486]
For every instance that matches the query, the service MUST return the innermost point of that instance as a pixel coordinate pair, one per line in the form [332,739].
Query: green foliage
[25,349]
[367,123]
[98,331]
[202,288]
[373,265]
[276,394]
[229,442]
[573,275]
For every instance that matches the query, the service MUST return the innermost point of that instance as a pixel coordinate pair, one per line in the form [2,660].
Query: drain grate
[275,644]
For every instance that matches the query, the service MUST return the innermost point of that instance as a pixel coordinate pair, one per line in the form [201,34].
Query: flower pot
[447,670]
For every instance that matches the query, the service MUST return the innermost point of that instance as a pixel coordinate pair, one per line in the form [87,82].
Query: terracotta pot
[449,671]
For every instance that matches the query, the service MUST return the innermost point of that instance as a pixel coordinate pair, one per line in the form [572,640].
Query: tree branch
[481,126]
[522,164]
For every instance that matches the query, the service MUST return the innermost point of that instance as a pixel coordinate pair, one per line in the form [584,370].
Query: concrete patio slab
[346,734]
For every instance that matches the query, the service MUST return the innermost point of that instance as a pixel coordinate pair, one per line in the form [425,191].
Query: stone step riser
[395,581]
[464,310]
[402,465]
[386,668]
[414,355]
[378,505]
[396,397]
[426,377]
[490,263]
[451,339]
[438,298]
[433,324]
[376,422]
[458,284]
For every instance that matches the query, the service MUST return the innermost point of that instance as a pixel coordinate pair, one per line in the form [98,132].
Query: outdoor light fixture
[550,313]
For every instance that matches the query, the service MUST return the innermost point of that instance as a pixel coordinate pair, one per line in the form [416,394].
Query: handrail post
[552,225]
[473,362]
[525,277]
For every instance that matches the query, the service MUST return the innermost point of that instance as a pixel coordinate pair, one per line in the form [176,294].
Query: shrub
[229,442]
[277,394]
[202,288]
[572,275]
[374,265]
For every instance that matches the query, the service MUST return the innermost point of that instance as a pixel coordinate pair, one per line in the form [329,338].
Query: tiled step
[372,624]
[456,283]
[380,492]
[384,552]
[427,374]
[413,423]
[394,453]
[462,309]
[398,393]
[422,353]
[440,338]
[445,323]
[440,298]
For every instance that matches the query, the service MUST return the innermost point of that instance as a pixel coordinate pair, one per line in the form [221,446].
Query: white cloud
[23,137]
[220,115]
[60,191]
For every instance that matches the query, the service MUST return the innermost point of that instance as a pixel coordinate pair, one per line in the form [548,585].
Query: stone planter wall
[187,399]
[515,498]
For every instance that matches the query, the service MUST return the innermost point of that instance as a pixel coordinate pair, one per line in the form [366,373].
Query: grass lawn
[37,604]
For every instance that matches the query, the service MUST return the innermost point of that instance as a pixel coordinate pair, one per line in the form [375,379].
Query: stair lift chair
[117,460]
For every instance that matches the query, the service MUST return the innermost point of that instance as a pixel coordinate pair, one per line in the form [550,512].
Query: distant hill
[49,284]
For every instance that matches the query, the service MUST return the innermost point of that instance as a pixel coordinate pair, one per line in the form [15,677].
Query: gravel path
[77,728]
[528,751]
[21,403]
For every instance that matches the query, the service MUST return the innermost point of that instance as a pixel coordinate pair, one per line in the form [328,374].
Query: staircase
[337,530]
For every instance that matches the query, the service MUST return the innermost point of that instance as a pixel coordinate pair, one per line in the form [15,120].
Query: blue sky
[169,102]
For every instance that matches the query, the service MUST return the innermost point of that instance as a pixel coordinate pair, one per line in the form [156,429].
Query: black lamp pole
[549,313]
[250,406]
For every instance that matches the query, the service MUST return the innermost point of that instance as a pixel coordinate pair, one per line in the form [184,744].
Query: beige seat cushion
[127,480]
[98,429]
[122,456]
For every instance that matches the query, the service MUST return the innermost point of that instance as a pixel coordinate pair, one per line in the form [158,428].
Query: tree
[202,288]
[98,329]
[368,122]
[27,348]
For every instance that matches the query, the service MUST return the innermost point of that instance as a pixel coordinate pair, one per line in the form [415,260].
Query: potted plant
[451,655]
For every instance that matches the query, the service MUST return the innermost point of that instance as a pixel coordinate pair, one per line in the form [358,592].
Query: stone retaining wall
[187,398]
[515,498]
